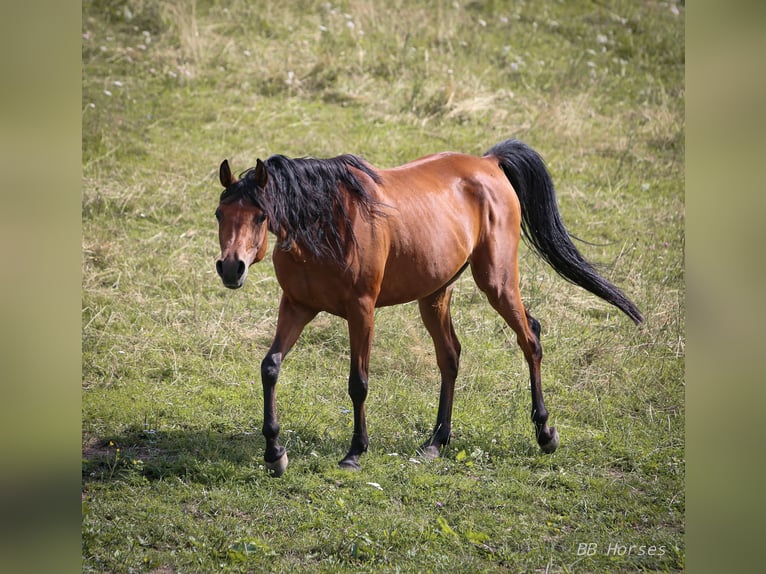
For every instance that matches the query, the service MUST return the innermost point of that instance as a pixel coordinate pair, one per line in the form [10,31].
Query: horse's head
[242,226]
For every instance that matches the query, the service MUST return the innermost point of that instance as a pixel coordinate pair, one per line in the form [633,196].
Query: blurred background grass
[40,242]
[725,280]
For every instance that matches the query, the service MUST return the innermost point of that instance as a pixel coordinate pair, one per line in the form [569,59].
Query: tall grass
[172,469]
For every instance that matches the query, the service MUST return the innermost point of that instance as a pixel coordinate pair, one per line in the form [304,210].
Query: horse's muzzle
[232,272]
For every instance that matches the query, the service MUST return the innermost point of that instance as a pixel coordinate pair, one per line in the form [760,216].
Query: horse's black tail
[543,228]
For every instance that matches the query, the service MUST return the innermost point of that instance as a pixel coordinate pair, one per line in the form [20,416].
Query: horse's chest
[318,287]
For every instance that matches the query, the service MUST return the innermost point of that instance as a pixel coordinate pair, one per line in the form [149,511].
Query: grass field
[172,476]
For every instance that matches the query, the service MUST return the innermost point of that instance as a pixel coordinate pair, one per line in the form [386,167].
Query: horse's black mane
[304,200]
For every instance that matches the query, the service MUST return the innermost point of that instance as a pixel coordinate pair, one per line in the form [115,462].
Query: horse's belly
[405,281]
[425,255]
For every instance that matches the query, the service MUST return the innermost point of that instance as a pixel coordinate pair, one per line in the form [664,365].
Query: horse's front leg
[292,319]
[360,327]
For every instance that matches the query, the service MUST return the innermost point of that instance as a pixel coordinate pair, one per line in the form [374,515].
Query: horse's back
[440,208]
[447,192]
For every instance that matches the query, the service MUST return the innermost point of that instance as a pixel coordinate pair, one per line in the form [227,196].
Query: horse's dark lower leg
[547,437]
[442,432]
[290,323]
[360,327]
[275,455]
[434,311]
[357,390]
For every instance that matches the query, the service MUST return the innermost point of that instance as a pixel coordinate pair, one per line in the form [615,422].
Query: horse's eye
[218,215]
[260,218]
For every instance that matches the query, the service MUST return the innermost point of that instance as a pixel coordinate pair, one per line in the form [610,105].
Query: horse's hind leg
[547,438]
[435,312]
[500,283]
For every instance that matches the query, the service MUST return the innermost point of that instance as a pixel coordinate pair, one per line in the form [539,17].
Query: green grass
[171,402]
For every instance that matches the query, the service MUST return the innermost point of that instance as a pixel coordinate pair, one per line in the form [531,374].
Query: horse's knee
[357,388]
[270,368]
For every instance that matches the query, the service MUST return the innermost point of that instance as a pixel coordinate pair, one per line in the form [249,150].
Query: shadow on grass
[201,456]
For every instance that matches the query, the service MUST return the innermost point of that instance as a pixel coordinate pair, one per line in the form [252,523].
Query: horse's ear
[261,175]
[224,174]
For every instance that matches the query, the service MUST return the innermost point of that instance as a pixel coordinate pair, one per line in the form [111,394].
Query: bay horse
[350,238]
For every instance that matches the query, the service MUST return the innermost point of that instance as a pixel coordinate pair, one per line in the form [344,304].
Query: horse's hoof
[429,452]
[553,443]
[351,465]
[278,467]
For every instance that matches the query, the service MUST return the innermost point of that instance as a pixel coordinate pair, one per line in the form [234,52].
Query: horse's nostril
[219,267]
[241,268]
